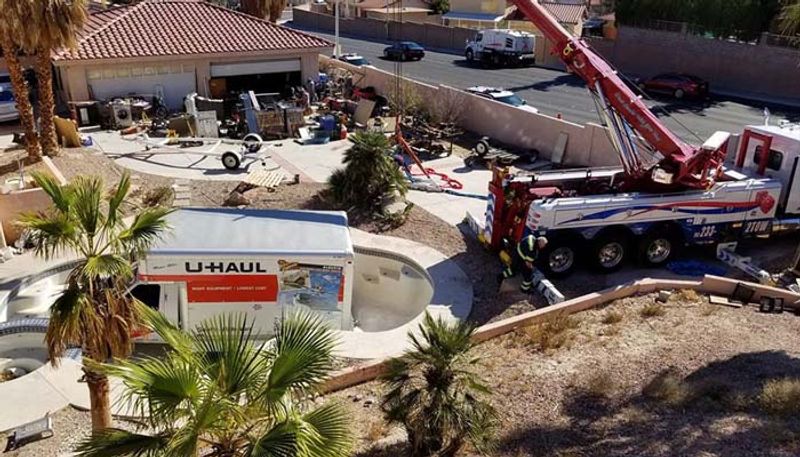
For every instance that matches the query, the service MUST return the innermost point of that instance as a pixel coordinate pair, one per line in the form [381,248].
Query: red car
[676,84]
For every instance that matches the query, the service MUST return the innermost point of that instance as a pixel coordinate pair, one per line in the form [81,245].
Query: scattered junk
[32,431]
[487,153]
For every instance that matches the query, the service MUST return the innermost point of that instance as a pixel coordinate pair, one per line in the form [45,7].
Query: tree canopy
[742,19]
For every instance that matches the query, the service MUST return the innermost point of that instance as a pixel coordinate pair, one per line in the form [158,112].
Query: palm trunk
[47,103]
[21,97]
[99,400]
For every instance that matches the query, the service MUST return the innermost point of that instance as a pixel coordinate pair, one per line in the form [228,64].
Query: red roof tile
[180,27]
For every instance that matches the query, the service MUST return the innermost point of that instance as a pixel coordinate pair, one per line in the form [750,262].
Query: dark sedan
[677,85]
[404,50]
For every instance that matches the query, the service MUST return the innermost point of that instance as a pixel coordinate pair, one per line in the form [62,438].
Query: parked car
[353,59]
[8,107]
[678,85]
[502,96]
[404,50]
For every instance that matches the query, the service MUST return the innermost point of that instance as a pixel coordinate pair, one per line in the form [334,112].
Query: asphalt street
[554,92]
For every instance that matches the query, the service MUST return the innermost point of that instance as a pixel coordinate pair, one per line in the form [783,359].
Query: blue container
[327,123]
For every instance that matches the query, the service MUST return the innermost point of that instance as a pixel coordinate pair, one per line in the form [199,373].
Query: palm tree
[434,391]
[48,25]
[790,19]
[20,87]
[94,312]
[369,174]
[218,393]
[264,9]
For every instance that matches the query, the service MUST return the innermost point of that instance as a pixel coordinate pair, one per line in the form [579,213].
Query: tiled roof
[154,28]
[565,13]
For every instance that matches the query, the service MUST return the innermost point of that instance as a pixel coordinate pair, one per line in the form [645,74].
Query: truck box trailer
[265,263]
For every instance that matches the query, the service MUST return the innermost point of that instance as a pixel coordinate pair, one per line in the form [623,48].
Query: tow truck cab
[782,162]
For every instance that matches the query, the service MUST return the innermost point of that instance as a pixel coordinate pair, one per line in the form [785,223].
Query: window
[774,161]
[6,96]
[149,294]
[94,74]
[479,37]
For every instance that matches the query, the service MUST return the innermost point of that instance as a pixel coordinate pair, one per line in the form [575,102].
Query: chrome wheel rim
[230,161]
[611,254]
[659,250]
[561,259]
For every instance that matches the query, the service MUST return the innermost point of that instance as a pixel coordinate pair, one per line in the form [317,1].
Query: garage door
[255,68]
[174,82]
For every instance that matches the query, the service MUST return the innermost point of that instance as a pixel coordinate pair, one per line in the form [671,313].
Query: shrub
[436,392]
[613,317]
[552,334]
[158,196]
[666,387]
[369,175]
[781,397]
[601,385]
[653,309]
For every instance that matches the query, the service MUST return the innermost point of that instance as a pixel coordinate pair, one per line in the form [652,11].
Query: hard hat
[542,240]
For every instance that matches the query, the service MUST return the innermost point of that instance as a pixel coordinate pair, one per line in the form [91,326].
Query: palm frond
[180,342]
[106,265]
[50,234]
[304,347]
[147,226]
[86,205]
[113,442]
[72,318]
[332,437]
[61,196]
[227,353]
[279,441]
[117,198]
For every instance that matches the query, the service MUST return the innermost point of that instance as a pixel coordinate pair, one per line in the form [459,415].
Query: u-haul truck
[265,263]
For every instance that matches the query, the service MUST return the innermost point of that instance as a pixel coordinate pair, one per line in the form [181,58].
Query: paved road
[555,92]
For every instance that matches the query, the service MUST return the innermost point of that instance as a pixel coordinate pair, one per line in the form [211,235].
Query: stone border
[710,285]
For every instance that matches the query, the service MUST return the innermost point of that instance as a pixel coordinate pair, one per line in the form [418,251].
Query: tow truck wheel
[470,56]
[230,160]
[657,248]
[558,259]
[609,253]
[679,93]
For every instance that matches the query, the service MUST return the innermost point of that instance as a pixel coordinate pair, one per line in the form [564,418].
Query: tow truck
[666,194]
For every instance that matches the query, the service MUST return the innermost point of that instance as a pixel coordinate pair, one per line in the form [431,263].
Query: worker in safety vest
[522,259]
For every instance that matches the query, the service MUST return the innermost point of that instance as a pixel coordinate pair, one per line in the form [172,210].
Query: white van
[265,263]
[8,107]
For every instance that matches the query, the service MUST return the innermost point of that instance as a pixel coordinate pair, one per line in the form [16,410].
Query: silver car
[8,108]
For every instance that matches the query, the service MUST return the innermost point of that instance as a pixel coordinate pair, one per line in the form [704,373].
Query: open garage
[173,48]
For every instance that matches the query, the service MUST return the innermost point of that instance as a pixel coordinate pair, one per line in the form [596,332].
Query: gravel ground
[585,399]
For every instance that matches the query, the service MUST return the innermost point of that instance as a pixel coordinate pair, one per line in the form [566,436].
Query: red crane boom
[683,164]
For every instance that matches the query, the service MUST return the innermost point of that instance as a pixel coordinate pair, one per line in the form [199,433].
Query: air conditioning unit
[123,116]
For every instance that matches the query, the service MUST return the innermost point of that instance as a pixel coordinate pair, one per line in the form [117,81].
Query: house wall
[587,145]
[76,75]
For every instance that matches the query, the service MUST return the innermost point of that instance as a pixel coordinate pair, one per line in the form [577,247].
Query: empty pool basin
[22,353]
[389,290]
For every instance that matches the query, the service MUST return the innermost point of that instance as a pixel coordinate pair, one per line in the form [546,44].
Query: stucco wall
[23,201]
[748,69]
[76,83]
[587,145]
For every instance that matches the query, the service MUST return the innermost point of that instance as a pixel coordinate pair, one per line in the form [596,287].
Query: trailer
[264,263]
[233,154]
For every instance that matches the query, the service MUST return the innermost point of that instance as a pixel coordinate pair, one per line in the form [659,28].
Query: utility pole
[336,31]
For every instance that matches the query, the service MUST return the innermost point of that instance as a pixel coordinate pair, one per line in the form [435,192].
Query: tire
[679,93]
[482,148]
[558,259]
[657,248]
[469,55]
[496,61]
[161,112]
[231,161]
[252,143]
[609,252]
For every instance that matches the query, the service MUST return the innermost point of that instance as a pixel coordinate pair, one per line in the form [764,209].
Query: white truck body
[501,46]
[264,263]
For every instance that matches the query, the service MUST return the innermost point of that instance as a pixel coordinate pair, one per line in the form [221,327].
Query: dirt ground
[585,398]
